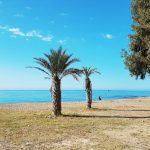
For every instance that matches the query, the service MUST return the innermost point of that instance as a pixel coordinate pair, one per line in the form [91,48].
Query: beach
[114,124]
[75,75]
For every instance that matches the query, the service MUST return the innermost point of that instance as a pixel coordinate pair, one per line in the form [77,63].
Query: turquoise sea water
[25,96]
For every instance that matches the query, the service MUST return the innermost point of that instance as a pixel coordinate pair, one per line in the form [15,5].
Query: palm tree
[56,65]
[87,72]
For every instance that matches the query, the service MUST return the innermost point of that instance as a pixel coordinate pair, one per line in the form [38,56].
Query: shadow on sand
[98,109]
[108,116]
[93,116]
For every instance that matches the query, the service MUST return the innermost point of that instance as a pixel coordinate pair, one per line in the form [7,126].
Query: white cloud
[30,34]
[47,38]
[16,31]
[34,33]
[19,15]
[63,14]
[28,7]
[108,36]
[62,42]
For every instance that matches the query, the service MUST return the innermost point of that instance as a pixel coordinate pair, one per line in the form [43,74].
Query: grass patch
[43,130]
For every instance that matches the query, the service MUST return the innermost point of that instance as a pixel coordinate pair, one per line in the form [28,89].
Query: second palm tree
[87,72]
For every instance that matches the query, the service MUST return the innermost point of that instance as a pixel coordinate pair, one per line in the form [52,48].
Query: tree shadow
[135,110]
[115,116]
[105,109]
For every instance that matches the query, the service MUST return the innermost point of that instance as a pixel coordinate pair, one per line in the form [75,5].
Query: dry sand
[136,135]
[126,108]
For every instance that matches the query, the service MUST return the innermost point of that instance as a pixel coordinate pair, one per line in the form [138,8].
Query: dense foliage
[137,60]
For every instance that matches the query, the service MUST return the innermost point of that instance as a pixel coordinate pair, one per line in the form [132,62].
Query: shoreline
[140,103]
[115,124]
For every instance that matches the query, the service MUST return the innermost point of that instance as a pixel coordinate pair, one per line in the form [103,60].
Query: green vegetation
[137,60]
[57,65]
[87,72]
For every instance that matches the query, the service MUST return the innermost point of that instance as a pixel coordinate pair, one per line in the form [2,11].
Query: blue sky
[94,31]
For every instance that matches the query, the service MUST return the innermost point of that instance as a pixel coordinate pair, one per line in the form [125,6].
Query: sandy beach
[117,124]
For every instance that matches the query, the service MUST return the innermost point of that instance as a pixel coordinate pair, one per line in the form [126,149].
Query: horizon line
[75,89]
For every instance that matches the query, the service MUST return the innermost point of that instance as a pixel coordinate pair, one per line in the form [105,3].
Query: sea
[32,96]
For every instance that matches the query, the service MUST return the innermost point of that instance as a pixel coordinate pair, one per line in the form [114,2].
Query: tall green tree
[56,65]
[137,59]
[87,72]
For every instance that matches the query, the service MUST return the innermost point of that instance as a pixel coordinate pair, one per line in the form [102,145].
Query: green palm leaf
[57,63]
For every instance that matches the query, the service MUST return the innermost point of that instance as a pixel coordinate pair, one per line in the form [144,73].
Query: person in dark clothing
[99,98]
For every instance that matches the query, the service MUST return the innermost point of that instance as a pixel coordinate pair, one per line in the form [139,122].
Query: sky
[94,31]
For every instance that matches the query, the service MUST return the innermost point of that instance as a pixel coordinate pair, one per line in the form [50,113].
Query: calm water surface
[18,96]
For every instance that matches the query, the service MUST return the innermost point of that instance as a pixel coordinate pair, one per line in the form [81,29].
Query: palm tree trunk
[88,93]
[88,98]
[56,96]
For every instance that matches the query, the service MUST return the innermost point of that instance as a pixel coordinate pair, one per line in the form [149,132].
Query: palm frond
[38,68]
[72,61]
[44,63]
[94,70]
[73,72]
[47,78]
[87,71]
[57,63]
